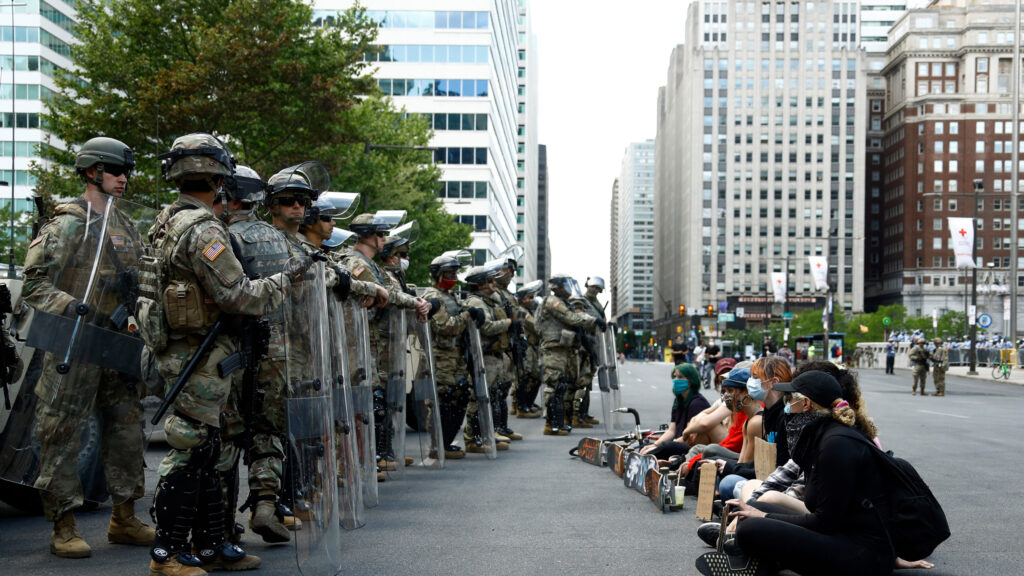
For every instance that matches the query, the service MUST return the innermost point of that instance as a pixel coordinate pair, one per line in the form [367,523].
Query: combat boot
[126,528]
[387,465]
[510,434]
[65,541]
[249,562]
[453,452]
[500,446]
[577,423]
[473,448]
[501,437]
[171,567]
[549,431]
[409,461]
[264,520]
[287,517]
[591,420]
[527,413]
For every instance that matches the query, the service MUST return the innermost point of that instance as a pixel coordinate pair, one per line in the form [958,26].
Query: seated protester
[734,388]
[765,372]
[785,486]
[709,423]
[688,403]
[838,536]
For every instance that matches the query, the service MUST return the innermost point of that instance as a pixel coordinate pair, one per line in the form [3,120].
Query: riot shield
[394,391]
[424,393]
[79,396]
[485,417]
[348,478]
[604,374]
[313,490]
[360,366]
[613,378]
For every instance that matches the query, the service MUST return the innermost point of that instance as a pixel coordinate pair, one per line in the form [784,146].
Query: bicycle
[1002,370]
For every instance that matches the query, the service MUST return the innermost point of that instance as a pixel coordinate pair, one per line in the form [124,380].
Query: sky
[600,64]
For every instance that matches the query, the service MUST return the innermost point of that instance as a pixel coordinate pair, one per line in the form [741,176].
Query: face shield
[339,237]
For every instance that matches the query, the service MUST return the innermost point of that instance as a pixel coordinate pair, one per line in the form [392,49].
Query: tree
[278,89]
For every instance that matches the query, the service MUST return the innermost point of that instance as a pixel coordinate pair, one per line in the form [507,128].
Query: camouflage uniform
[588,364]
[59,252]
[557,324]
[447,328]
[940,364]
[495,343]
[532,369]
[514,374]
[919,358]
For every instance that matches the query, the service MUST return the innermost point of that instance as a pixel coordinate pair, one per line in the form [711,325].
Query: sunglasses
[382,234]
[116,171]
[326,218]
[292,200]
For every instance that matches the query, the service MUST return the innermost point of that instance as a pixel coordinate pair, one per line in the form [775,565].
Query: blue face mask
[755,390]
[680,386]
[785,409]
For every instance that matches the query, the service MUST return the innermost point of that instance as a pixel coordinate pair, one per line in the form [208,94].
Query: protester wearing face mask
[735,398]
[688,403]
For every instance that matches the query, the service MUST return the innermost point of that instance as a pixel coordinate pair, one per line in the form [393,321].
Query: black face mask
[795,424]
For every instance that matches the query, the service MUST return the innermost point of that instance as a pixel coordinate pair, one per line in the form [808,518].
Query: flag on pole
[779,286]
[826,313]
[819,270]
[961,231]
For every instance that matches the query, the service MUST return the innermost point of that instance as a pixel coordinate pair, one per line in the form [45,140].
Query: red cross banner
[961,231]
[779,286]
[819,271]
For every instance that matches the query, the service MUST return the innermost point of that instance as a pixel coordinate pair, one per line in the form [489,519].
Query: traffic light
[711,310]
[682,310]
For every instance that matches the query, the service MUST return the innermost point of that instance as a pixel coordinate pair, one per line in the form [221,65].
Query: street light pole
[979,187]
[1015,175]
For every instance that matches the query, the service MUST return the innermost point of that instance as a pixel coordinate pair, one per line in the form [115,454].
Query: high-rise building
[543,241]
[526,145]
[458,64]
[634,237]
[613,258]
[948,128]
[760,158]
[38,44]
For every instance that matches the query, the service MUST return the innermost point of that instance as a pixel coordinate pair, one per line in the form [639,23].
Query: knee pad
[183,433]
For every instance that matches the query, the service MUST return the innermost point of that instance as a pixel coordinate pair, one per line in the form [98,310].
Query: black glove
[478,316]
[76,308]
[344,284]
[297,266]
[435,305]
[514,326]
[601,324]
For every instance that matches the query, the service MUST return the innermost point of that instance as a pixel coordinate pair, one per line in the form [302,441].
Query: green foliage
[22,234]
[256,73]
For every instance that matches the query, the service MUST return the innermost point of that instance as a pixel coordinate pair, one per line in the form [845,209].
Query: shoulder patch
[358,270]
[213,250]
[36,241]
[117,240]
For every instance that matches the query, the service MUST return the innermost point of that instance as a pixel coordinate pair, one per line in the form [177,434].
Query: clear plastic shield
[77,401]
[350,488]
[604,372]
[613,377]
[313,468]
[480,391]
[357,332]
[395,388]
[424,394]
[343,204]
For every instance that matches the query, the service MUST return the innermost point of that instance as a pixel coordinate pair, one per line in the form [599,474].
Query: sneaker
[708,533]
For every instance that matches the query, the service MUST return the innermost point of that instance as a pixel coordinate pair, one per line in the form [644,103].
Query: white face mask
[403,263]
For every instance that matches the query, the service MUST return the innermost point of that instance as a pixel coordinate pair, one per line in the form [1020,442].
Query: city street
[536,510]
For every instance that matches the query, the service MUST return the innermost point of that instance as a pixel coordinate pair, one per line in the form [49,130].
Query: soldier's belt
[95,345]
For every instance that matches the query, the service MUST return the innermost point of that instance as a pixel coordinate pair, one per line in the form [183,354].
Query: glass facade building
[634,238]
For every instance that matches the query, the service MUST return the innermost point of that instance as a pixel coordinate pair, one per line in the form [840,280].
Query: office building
[634,238]
[543,240]
[613,249]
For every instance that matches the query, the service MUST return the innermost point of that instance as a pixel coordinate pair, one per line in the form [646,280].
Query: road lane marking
[944,414]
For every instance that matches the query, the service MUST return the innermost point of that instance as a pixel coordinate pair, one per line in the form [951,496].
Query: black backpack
[916,524]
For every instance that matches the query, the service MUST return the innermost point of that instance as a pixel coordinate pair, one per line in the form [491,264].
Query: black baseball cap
[819,386]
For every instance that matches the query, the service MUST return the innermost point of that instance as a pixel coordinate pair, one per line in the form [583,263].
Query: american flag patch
[117,240]
[213,250]
[359,270]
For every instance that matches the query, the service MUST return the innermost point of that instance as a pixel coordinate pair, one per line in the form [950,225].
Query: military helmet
[107,152]
[196,155]
[332,205]
[338,237]
[478,275]
[450,260]
[937,341]
[245,185]
[530,289]
[513,254]
[403,235]
[366,225]
[563,281]
[595,281]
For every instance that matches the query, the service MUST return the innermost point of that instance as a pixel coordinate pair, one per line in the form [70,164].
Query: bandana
[795,424]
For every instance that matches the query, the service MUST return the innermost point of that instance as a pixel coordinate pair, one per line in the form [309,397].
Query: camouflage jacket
[557,322]
[266,251]
[448,323]
[494,333]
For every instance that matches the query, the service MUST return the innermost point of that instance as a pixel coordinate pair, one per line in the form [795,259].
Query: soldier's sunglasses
[326,218]
[291,200]
[117,171]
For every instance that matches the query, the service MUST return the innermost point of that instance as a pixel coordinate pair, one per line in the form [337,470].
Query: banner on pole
[961,231]
[779,286]
[819,271]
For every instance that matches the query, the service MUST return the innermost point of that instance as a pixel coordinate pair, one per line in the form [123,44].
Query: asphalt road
[536,510]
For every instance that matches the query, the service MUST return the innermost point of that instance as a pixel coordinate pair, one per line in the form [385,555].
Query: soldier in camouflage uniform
[448,327]
[517,337]
[940,364]
[193,248]
[104,165]
[530,378]
[589,358]
[359,260]
[557,324]
[919,359]
[494,340]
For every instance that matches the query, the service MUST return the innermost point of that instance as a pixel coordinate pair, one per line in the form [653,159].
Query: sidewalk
[983,373]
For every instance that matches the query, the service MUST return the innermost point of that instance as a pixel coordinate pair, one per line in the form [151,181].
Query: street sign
[984,320]
[739,312]
[972,314]
[726,317]
[787,315]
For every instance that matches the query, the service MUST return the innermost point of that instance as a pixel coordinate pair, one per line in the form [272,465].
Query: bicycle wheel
[1006,371]
[997,371]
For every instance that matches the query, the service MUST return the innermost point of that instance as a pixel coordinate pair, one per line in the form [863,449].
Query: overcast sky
[600,65]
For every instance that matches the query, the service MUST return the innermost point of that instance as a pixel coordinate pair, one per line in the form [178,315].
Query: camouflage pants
[59,428]
[560,364]
[939,376]
[261,433]
[494,367]
[920,378]
[202,401]
[585,380]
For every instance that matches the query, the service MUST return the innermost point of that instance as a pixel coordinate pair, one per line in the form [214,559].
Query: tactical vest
[553,333]
[492,344]
[452,309]
[264,251]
